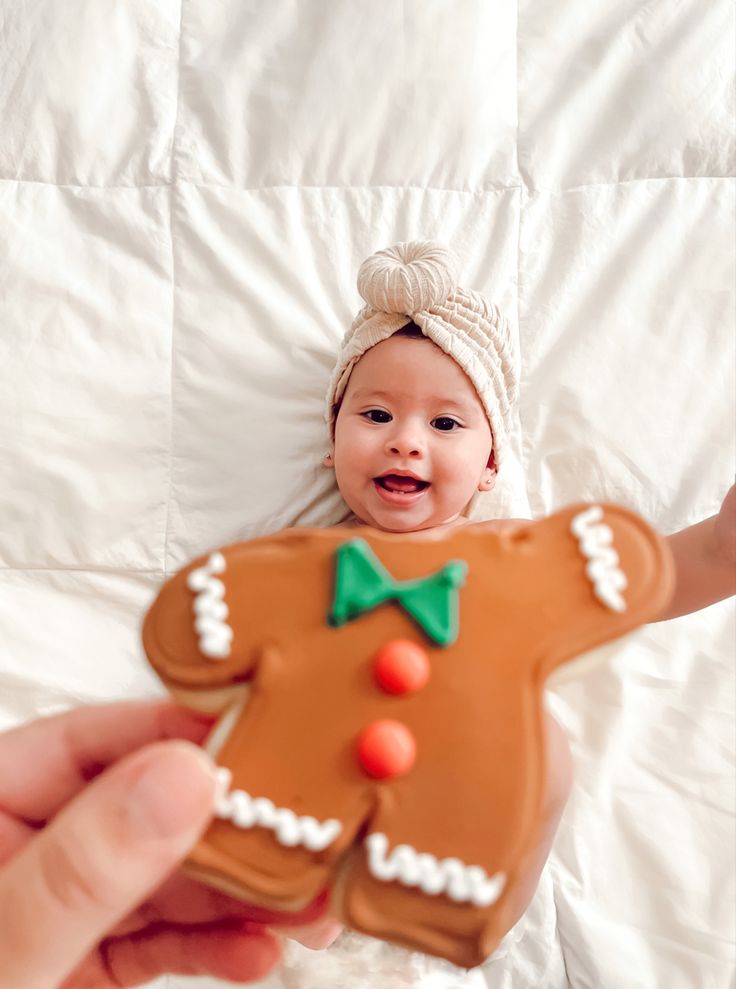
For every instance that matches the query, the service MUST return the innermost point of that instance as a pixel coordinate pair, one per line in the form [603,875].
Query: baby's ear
[605,572]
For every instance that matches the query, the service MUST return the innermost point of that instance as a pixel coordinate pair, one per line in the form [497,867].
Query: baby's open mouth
[401,485]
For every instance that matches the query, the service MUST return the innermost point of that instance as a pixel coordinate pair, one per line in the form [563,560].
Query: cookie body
[391,744]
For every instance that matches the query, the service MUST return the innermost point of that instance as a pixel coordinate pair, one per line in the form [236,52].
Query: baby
[419,409]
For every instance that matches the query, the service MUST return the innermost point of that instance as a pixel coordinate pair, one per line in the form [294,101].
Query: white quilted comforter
[186,191]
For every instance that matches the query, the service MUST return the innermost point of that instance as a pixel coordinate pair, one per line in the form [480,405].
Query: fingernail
[316,936]
[173,792]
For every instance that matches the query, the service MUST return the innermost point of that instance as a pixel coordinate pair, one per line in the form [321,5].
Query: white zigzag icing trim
[462,883]
[245,811]
[596,544]
[215,635]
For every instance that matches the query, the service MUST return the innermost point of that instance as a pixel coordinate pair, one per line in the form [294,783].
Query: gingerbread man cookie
[381,725]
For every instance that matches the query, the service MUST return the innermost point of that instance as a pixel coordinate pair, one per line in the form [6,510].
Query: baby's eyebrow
[441,400]
[370,393]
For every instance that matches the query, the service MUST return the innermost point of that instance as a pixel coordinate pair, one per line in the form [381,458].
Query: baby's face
[410,410]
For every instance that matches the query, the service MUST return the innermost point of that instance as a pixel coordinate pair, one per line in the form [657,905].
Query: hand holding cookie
[97,808]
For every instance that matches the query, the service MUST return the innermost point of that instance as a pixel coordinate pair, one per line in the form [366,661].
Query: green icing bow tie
[362,583]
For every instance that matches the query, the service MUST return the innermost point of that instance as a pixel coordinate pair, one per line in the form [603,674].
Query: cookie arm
[211,625]
[188,633]
[608,573]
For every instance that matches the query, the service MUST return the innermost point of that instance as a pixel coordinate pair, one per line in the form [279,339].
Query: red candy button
[386,749]
[402,667]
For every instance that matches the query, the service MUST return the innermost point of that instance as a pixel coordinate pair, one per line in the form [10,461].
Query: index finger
[44,763]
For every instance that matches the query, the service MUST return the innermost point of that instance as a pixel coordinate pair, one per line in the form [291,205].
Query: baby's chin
[406,524]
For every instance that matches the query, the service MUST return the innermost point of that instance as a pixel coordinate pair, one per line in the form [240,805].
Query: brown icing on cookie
[392,741]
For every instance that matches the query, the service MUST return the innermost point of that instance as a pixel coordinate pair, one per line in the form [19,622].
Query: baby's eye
[445,423]
[374,415]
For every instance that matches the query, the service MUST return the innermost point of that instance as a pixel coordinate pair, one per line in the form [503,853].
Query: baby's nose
[404,445]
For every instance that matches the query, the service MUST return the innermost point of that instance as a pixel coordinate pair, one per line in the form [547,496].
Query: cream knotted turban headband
[417,282]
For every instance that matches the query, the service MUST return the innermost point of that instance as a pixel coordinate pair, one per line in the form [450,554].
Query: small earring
[327,460]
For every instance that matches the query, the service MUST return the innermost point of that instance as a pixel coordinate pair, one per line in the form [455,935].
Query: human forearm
[703,574]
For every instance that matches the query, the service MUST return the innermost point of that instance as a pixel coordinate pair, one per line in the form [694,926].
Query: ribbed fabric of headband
[417,282]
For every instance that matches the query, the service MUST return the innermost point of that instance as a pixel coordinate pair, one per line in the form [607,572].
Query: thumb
[101,856]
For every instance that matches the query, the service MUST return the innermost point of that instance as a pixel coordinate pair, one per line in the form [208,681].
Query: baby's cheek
[452,480]
[349,457]
[454,493]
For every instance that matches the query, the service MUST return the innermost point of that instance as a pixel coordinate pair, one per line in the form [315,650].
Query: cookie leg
[559,782]
[459,915]
[268,850]
[423,921]
[259,870]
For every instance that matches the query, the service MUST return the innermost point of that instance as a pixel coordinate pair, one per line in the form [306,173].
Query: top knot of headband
[416,283]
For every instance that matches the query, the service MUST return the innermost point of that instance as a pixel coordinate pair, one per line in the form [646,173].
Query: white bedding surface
[186,192]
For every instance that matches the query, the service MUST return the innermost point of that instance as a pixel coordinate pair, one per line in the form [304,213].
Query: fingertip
[250,955]
[316,936]
[178,721]
[171,791]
